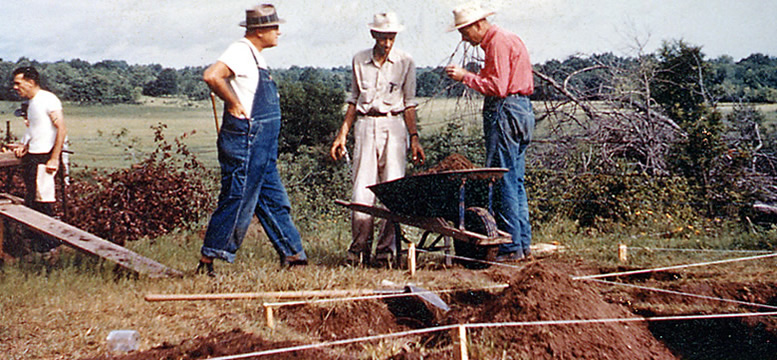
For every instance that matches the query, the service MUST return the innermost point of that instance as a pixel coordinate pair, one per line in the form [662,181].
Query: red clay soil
[451,162]
[541,290]
[223,344]
[544,291]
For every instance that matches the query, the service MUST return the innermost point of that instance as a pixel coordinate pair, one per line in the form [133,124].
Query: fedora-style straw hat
[261,16]
[467,14]
[386,22]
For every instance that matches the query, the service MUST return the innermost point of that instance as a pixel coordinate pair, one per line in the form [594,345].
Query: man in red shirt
[506,80]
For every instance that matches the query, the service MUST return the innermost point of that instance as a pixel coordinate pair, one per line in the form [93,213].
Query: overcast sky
[178,33]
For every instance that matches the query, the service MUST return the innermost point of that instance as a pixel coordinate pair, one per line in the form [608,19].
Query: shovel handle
[215,113]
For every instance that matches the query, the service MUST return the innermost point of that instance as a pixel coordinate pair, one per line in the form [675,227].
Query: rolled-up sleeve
[409,85]
[353,97]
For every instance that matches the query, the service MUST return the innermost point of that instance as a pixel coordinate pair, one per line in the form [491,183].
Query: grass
[65,308]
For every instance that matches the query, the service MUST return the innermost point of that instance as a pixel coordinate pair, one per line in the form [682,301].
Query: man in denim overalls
[248,148]
[506,80]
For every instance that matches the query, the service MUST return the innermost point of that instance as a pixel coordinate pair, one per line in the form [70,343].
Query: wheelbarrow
[454,208]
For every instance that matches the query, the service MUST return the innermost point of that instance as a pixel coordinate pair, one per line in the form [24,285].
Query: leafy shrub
[166,191]
[314,182]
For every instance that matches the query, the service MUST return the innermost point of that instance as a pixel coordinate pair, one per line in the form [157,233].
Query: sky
[177,33]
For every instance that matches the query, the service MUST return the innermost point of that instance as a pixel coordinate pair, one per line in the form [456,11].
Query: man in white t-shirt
[248,148]
[46,137]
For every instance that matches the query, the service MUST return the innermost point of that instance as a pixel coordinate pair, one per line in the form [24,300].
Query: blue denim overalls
[508,124]
[250,183]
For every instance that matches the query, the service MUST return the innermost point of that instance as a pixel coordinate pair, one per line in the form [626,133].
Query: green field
[93,129]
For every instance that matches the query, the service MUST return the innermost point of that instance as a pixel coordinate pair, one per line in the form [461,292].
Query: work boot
[383,262]
[510,256]
[294,260]
[353,259]
[206,268]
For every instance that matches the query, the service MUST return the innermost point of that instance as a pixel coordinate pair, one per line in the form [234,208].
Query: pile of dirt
[341,321]
[452,162]
[223,344]
[544,291]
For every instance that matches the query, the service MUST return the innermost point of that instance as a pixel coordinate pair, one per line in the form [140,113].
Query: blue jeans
[250,183]
[508,124]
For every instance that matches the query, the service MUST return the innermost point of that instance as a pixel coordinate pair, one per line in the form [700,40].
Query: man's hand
[52,165]
[338,148]
[418,152]
[237,111]
[20,150]
[455,72]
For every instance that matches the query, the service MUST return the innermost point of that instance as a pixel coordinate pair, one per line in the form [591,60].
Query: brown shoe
[295,260]
[353,259]
[382,263]
[510,257]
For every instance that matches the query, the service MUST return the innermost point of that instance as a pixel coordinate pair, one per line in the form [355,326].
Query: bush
[166,191]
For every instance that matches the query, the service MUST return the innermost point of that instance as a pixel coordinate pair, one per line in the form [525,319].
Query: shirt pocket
[392,92]
[366,93]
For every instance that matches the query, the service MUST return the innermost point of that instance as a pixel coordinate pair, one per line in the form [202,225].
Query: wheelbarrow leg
[448,251]
[398,238]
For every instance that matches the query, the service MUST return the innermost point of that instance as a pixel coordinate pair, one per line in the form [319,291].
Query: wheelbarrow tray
[437,195]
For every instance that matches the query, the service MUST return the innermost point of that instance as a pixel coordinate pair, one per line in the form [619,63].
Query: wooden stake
[259,295]
[623,253]
[268,315]
[215,113]
[2,240]
[411,258]
[459,335]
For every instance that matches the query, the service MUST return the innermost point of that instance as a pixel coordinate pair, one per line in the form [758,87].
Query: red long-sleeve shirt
[507,69]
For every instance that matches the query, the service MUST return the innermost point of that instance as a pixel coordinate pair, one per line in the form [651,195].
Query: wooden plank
[429,224]
[86,242]
[9,159]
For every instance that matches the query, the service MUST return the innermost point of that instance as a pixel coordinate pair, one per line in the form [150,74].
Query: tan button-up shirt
[389,88]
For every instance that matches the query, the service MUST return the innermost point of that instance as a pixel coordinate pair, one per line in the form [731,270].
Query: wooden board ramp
[84,241]
[9,159]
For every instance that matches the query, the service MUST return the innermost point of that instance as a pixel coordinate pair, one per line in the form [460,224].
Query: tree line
[621,134]
[751,79]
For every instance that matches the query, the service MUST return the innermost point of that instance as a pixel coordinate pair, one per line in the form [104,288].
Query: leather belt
[375,113]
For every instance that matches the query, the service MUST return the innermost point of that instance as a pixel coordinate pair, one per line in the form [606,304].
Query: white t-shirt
[242,58]
[43,133]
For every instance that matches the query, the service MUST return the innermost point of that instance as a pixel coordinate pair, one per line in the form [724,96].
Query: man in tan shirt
[381,108]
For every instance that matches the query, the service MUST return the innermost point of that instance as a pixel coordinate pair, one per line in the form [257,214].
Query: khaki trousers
[379,156]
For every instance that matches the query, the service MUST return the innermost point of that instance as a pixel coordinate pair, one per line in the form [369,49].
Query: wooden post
[623,253]
[268,315]
[459,335]
[2,239]
[411,258]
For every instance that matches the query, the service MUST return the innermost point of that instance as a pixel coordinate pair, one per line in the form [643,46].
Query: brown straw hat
[261,16]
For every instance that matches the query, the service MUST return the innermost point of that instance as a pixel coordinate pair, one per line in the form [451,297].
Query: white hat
[386,22]
[467,14]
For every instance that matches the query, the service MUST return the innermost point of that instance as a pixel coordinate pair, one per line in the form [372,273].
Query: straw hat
[467,14]
[261,16]
[386,22]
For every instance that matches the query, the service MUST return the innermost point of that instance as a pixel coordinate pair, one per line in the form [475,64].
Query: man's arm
[338,146]
[415,144]
[58,119]
[216,77]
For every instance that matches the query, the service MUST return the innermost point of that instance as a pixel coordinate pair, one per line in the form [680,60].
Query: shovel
[420,308]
